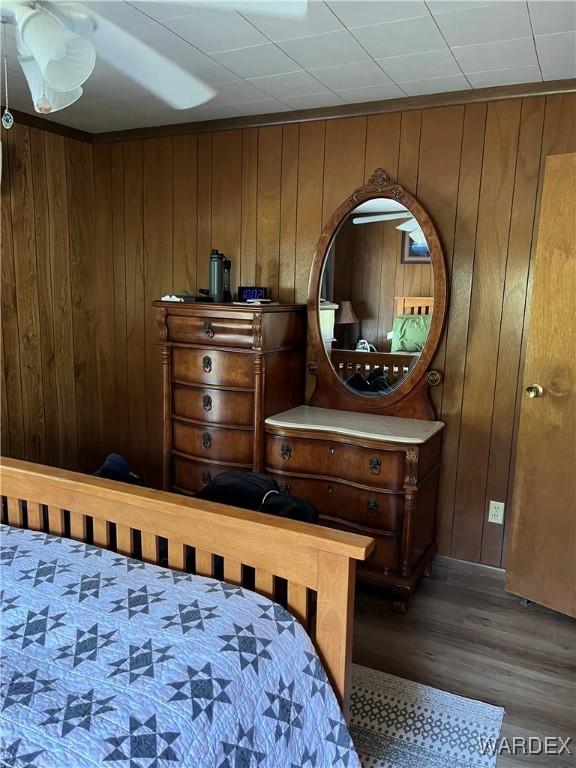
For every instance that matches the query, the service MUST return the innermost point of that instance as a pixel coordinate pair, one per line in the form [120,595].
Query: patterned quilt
[111,662]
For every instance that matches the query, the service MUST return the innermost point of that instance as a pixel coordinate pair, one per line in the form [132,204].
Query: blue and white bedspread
[110,662]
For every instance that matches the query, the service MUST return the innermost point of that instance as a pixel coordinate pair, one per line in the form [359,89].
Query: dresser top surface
[209,307]
[389,429]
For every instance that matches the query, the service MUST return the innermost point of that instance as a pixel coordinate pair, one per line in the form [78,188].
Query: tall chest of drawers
[370,474]
[225,369]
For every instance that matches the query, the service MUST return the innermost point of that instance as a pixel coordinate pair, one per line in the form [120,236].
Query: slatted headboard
[413,305]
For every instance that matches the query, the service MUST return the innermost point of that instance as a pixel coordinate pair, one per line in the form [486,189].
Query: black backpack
[239,489]
[258,492]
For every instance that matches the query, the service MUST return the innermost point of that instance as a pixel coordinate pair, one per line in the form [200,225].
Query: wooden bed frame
[413,305]
[395,365]
[269,554]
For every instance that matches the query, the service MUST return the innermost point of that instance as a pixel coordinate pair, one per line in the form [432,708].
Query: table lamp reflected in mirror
[347,326]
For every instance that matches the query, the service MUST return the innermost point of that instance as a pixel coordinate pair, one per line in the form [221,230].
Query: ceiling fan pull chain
[7,118]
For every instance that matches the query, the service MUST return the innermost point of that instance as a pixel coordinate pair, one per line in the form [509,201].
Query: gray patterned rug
[399,724]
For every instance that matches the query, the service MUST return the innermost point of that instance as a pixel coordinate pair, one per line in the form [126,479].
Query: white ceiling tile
[419,66]
[436,85]
[318,19]
[287,85]
[119,13]
[324,50]
[552,16]
[503,21]
[371,93]
[494,77]
[400,37]
[263,107]
[358,75]
[363,13]
[557,55]
[315,100]
[165,9]
[208,111]
[562,70]
[164,41]
[204,67]
[451,6]
[502,55]
[223,113]
[212,31]
[260,60]
[237,92]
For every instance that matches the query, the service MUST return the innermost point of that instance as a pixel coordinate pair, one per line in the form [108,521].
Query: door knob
[534,390]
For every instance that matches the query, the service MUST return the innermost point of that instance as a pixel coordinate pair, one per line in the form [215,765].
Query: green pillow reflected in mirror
[410,332]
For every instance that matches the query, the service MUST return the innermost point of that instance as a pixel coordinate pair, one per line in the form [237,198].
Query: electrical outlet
[496,512]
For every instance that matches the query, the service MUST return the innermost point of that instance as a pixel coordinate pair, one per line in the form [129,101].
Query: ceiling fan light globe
[45,98]
[66,60]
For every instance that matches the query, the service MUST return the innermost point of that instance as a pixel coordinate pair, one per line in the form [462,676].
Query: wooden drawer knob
[207,403]
[375,464]
[285,451]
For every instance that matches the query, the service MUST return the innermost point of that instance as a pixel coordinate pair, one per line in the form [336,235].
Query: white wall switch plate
[496,512]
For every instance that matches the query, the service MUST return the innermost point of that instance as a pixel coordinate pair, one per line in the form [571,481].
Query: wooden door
[542,554]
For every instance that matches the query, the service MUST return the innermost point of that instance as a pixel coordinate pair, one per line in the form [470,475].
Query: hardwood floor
[465,634]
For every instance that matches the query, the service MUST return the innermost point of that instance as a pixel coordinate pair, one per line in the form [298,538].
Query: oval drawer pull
[207,364]
[207,403]
[208,329]
[207,440]
[372,505]
[375,464]
[285,487]
[285,451]
[207,477]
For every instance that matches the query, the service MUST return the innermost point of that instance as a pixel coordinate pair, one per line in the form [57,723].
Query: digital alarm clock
[252,293]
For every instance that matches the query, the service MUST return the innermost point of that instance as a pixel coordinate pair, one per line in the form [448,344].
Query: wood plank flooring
[465,634]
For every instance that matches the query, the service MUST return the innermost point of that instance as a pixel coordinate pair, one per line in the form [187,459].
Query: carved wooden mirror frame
[411,399]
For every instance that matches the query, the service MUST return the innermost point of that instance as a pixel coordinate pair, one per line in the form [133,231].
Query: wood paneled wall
[92,233]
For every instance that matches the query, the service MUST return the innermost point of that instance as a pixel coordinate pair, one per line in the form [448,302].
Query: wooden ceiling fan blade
[141,63]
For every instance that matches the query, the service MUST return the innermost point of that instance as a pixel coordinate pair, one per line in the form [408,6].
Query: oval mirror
[379,294]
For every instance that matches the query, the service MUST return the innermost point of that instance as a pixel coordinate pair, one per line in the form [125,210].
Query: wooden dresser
[226,368]
[370,474]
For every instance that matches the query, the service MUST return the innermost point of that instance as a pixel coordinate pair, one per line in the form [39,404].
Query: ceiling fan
[58,41]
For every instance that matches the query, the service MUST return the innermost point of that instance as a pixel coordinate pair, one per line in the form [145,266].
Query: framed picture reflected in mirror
[414,251]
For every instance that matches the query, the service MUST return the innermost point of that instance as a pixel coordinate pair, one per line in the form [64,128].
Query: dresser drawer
[193,476]
[210,330]
[382,469]
[201,366]
[214,443]
[340,502]
[385,555]
[213,406]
